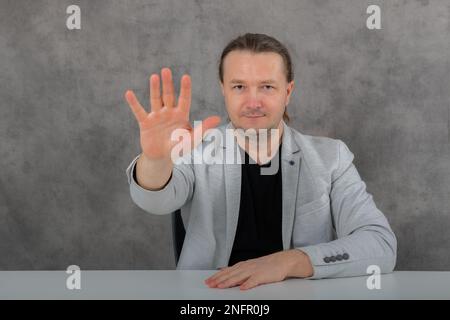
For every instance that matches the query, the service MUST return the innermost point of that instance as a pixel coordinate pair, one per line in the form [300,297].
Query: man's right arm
[170,195]
[153,175]
[160,186]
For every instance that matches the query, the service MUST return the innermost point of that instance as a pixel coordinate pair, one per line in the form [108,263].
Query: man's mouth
[254,115]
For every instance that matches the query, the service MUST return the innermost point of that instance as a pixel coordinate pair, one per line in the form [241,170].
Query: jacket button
[339,257]
[326,259]
[291,162]
[345,256]
[333,259]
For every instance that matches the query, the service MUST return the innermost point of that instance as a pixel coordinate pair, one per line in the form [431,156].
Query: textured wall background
[67,134]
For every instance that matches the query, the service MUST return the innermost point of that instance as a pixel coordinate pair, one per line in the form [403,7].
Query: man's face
[255,89]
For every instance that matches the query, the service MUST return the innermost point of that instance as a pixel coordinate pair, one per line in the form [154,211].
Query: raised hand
[166,116]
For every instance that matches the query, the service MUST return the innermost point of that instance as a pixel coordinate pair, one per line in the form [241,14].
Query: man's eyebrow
[268,81]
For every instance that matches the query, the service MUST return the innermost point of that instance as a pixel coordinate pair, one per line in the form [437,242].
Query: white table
[178,285]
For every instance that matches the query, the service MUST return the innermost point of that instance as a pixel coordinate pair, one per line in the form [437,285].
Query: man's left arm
[364,236]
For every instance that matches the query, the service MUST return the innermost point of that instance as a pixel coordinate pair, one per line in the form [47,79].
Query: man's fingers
[234,280]
[250,283]
[184,100]
[219,276]
[223,272]
[167,90]
[135,106]
[155,93]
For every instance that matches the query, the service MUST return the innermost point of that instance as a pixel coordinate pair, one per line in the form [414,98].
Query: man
[311,219]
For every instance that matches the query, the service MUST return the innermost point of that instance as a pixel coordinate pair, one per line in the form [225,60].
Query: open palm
[166,115]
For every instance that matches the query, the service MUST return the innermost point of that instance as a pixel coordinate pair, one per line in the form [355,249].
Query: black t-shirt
[258,231]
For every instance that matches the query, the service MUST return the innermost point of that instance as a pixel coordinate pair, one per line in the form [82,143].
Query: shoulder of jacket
[321,144]
[320,152]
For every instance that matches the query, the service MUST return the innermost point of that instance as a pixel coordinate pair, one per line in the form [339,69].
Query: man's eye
[268,87]
[238,87]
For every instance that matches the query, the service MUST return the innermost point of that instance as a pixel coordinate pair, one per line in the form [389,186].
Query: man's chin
[254,123]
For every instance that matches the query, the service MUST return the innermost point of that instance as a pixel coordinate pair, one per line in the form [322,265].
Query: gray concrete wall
[67,134]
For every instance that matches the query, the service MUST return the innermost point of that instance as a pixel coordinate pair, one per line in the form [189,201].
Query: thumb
[200,130]
[210,122]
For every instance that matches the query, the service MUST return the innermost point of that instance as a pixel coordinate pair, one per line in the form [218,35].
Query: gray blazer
[327,212]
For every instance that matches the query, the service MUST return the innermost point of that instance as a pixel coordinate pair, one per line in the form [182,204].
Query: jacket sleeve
[364,236]
[167,200]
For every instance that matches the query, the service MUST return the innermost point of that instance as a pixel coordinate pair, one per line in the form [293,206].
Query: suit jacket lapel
[232,175]
[291,156]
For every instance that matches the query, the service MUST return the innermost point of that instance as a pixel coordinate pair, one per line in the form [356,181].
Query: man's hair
[258,43]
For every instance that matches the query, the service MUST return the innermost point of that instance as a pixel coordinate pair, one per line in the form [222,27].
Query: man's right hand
[166,115]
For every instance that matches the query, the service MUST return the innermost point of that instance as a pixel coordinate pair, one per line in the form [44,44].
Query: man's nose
[253,99]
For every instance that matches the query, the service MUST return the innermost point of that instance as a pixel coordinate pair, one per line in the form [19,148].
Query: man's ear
[290,89]
[221,87]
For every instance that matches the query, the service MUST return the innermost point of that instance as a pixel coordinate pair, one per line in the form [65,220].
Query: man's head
[256,76]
